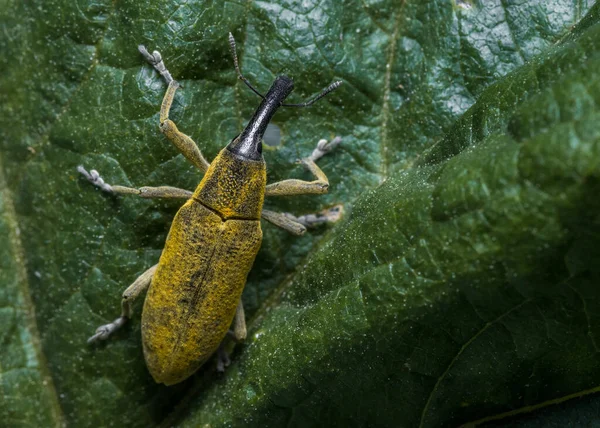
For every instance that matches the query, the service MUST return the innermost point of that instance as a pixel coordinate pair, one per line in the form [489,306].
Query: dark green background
[462,284]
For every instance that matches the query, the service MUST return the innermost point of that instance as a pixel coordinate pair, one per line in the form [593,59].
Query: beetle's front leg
[183,142]
[129,295]
[300,187]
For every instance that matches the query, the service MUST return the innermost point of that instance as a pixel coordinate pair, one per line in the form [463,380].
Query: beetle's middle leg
[183,142]
[298,225]
[166,192]
[129,295]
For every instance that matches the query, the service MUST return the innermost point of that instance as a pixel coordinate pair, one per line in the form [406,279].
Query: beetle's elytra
[194,291]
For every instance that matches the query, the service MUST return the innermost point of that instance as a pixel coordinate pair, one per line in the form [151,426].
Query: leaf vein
[460,352]
[19,259]
[511,32]
[385,110]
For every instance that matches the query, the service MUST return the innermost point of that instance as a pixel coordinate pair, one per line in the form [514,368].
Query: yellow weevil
[195,290]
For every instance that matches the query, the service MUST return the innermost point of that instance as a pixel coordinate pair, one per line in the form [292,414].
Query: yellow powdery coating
[233,186]
[203,269]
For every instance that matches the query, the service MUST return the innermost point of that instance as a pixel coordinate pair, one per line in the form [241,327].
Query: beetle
[194,291]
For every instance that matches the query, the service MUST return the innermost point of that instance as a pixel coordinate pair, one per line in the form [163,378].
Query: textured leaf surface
[23,373]
[461,285]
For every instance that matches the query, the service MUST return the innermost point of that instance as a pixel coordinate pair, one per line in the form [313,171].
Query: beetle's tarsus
[104,331]
[328,215]
[150,58]
[155,59]
[223,359]
[324,147]
[94,177]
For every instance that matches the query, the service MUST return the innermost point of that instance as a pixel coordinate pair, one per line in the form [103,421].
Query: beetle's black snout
[284,86]
[249,143]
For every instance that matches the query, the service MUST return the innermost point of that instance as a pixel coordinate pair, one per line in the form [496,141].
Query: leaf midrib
[14,241]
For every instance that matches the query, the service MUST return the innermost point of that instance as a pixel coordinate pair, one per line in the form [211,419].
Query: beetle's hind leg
[129,296]
[238,334]
[239,323]
[223,359]
[183,142]
[300,187]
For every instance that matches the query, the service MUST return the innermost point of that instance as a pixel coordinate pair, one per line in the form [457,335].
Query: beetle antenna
[324,92]
[237,67]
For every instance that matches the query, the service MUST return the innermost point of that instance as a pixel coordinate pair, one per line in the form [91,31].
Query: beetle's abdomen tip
[168,378]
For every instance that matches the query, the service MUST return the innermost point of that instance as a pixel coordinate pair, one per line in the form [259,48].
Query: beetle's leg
[184,143]
[167,192]
[223,359]
[298,225]
[328,215]
[129,295]
[285,221]
[301,187]
[239,323]
[238,333]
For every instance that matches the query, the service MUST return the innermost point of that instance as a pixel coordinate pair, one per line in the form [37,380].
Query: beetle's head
[249,143]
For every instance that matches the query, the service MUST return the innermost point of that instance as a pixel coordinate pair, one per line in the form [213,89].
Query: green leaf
[23,373]
[461,284]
